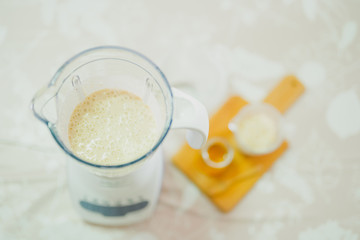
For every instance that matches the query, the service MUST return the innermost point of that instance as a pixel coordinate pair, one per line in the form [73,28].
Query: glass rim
[165,131]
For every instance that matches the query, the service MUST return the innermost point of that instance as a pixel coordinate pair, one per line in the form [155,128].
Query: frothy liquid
[111,127]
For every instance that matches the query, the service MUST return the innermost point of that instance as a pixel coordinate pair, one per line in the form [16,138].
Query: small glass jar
[217,154]
[258,129]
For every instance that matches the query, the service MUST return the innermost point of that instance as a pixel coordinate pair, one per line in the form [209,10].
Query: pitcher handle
[190,114]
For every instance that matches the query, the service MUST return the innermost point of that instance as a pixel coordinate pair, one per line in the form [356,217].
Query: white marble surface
[212,49]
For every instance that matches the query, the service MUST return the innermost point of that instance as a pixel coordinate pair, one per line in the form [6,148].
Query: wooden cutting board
[221,188]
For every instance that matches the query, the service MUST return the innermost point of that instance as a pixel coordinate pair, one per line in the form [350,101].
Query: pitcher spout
[43,105]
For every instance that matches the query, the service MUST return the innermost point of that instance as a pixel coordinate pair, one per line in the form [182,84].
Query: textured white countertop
[211,49]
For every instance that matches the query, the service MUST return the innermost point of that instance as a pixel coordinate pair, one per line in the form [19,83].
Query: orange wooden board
[190,162]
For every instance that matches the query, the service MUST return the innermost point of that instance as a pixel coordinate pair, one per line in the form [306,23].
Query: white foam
[112,127]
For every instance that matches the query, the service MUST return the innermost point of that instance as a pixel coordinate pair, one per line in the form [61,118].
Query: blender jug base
[116,201]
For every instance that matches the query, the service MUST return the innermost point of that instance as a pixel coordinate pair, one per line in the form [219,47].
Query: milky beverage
[112,127]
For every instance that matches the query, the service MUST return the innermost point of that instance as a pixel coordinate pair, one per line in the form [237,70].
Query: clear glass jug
[117,68]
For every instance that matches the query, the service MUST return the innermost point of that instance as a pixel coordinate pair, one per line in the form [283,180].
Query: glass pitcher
[125,193]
